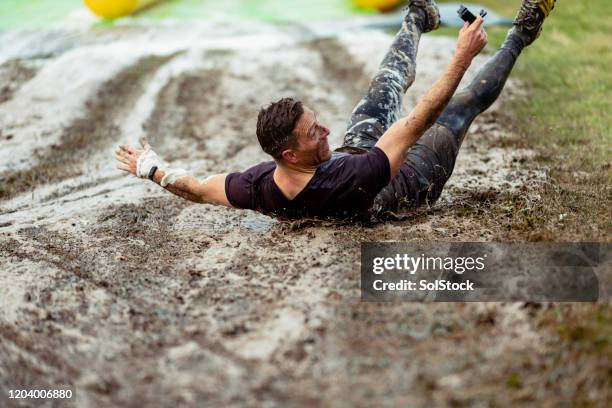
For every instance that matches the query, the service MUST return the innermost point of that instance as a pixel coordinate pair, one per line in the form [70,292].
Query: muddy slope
[131,297]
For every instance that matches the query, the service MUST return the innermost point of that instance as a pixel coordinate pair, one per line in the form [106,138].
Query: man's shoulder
[258,171]
[337,158]
[252,176]
[353,160]
[241,187]
[370,168]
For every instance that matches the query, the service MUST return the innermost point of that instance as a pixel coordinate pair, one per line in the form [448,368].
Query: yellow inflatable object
[382,5]
[116,8]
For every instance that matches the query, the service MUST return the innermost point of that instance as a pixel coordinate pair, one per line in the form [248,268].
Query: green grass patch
[16,14]
[566,115]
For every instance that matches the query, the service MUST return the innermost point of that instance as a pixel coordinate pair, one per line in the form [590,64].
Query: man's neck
[292,179]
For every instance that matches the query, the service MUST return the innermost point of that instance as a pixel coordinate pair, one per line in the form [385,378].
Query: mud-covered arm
[209,191]
[144,163]
[404,133]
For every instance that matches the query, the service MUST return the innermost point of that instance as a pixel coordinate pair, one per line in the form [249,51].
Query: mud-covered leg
[431,160]
[486,87]
[490,80]
[382,105]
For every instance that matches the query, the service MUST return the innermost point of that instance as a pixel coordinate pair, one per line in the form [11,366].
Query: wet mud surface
[132,297]
[12,75]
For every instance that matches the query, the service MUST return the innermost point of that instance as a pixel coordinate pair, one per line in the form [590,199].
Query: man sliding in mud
[386,162]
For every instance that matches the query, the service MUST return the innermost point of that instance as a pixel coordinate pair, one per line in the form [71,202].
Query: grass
[16,14]
[566,118]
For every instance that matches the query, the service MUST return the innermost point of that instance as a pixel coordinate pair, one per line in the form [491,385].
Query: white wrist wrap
[171,176]
[150,159]
[146,162]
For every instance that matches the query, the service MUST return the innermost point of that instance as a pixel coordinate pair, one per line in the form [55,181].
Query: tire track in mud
[189,106]
[129,254]
[178,109]
[126,239]
[342,68]
[27,363]
[121,227]
[287,331]
[96,129]
[13,74]
[187,110]
[57,195]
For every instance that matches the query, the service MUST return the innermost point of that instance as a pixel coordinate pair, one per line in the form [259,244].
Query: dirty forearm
[406,132]
[187,187]
[431,106]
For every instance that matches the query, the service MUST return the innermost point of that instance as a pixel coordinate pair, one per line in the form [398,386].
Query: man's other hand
[472,39]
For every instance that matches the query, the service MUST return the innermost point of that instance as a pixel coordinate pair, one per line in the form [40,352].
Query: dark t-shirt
[344,186]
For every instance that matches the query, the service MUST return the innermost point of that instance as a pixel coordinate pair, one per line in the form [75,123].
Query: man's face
[313,146]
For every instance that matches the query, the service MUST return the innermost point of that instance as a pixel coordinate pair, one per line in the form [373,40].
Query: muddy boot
[530,18]
[426,14]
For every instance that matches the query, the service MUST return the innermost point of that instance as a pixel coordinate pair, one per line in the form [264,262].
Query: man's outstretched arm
[144,163]
[404,133]
[209,191]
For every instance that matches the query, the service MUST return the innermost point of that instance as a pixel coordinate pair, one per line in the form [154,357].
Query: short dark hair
[275,126]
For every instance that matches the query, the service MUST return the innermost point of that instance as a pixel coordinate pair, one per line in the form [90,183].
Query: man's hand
[128,158]
[137,162]
[472,39]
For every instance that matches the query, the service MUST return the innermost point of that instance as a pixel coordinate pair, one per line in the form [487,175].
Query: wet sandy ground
[132,297]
